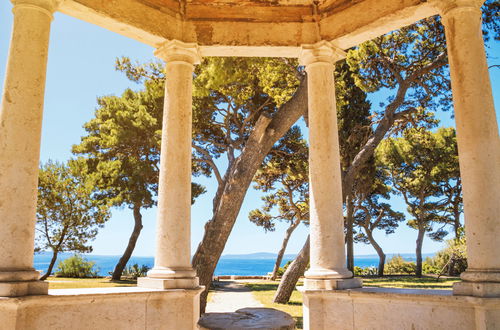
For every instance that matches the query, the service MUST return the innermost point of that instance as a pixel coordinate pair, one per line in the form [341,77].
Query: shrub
[358,271]
[365,271]
[76,266]
[452,260]
[283,269]
[397,265]
[134,271]
[429,266]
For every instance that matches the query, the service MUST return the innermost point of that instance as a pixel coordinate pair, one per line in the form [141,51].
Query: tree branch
[209,160]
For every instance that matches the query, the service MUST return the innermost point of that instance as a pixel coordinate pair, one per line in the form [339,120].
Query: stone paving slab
[230,296]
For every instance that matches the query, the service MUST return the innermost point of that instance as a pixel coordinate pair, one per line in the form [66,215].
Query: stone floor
[230,296]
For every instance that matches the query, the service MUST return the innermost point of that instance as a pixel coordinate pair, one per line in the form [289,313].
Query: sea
[243,265]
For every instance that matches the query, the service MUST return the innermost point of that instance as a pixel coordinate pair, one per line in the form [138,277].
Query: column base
[168,283]
[332,283]
[327,273]
[477,289]
[24,288]
[478,283]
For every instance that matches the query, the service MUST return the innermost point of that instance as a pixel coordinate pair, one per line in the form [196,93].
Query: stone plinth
[247,318]
[103,308]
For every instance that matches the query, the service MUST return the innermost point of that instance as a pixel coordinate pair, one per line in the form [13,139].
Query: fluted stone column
[21,114]
[478,145]
[173,229]
[328,261]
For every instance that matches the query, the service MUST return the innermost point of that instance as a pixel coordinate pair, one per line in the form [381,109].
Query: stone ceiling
[250,10]
[250,27]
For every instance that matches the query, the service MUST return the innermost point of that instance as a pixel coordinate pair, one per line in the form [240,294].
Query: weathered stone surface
[391,309]
[128,308]
[247,318]
[250,28]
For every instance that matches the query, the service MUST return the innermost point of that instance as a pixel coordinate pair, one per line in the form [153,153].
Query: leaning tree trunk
[380,252]
[418,250]
[292,275]
[120,266]
[230,196]
[55,251]
[349,237]
[51,265]
[281,252]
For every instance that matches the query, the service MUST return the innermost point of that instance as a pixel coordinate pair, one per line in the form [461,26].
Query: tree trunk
[51,265]
[281,252]
[418,250]
[230,196]
[120,266]
[380,252]
[349,237]
[292,275]
[457,225]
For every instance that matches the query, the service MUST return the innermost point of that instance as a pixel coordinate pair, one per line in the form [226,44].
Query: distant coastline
[230,264]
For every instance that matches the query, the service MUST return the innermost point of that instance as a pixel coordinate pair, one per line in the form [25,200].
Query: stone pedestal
[328,262]
[172,267]
[21,114]
[478,145]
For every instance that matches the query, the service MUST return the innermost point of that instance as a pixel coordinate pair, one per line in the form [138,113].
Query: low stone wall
[103,308]
[401,309]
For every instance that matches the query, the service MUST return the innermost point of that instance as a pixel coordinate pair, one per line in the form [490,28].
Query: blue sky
[81,67]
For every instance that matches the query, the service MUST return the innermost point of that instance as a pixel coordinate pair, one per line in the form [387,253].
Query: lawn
[264,291]
[410,282]
[75,283]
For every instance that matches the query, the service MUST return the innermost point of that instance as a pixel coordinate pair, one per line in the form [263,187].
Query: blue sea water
[234,265]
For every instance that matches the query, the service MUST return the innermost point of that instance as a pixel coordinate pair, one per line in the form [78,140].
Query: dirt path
[230,296]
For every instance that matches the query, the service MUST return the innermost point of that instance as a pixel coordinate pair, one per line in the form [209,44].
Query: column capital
[46,6]
[445,6]
[322,51]
[175,50]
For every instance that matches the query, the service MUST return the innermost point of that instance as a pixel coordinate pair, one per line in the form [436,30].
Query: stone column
[328,261]
[478,145]
[21,114]
[173,229]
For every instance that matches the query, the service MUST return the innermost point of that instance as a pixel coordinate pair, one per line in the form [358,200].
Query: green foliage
[134,271]
[76,266]
[283,269]
[491,19]
[418,165]
[371,214]
[353,115]
[68,215]
[365,271]
[452,260]
[397,265]
[284,176]
[413,56]
[229,96]
[122,145]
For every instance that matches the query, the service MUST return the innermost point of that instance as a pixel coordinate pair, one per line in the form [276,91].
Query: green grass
[77,283]
[409,282]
